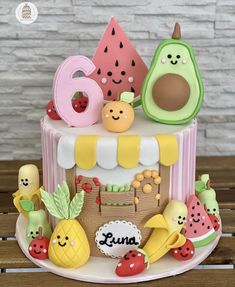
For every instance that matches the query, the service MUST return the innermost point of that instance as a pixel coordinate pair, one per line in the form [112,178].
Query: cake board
[102,270]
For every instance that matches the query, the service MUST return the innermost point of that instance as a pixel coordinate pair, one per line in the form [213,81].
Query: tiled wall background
[30,54]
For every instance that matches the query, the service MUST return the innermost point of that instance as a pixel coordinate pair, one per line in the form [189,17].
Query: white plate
[102,270]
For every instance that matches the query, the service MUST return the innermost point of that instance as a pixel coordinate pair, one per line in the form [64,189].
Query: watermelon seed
[116,63]
[106,49]
[109,73]
[195,231]
[99,71]
[109,93]
[121,45]
[113,31]
[133,63]
[123,73]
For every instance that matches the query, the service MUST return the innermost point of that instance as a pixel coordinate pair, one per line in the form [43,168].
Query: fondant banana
[28,183]
[166,234]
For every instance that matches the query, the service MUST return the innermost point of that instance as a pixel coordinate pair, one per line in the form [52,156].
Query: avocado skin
[149,75]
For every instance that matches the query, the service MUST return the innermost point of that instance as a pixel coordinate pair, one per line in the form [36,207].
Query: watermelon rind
[204,239]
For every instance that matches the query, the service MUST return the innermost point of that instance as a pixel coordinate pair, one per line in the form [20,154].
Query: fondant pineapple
[69,245]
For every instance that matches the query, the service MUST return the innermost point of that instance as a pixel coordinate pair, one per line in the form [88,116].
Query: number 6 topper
[65,86]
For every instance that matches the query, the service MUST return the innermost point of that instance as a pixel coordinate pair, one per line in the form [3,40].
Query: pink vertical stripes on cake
[183,172]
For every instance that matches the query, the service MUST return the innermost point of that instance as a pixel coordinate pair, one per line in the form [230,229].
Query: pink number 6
[65,86]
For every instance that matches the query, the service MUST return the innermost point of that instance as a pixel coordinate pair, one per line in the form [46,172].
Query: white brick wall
[30,54]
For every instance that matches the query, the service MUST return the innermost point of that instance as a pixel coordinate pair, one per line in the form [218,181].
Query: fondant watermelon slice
[119,68]
[199,228]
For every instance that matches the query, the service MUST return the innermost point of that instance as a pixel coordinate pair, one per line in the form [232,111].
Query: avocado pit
[171,92]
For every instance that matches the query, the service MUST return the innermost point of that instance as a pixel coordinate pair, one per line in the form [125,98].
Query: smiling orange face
[117,116]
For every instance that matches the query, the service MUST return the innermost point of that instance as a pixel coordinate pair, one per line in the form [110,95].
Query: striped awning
[87,151]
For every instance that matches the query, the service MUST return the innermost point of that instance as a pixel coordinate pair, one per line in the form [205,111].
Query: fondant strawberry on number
[199,228]
[184,252]
[119,68]
[132,263]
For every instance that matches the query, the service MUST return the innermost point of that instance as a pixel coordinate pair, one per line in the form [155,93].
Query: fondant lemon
[166,230]
[69,246]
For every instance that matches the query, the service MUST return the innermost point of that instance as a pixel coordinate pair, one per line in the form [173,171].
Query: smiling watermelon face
[199,228]
[119,68]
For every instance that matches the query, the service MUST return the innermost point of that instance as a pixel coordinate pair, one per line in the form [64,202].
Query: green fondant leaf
[200,186]
[76,204]
[27,205]
[127,97]
[61,199]
[115,188]
[48,200]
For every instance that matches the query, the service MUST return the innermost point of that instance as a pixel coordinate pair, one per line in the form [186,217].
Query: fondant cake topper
[38,247]
[166,230]
[65,86]
[118,116]
[207,195]
[119,67]
[199,228]
[115,238]
[69,246]
[172,91]
[36,219]
[28,184]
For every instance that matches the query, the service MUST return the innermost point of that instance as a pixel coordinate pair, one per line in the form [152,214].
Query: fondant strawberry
[132,263]
[215,221]
[184,252]
[80,104]
[51,112]
[38,247]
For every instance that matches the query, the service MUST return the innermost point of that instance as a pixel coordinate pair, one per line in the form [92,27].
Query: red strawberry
[51,112]
[184,252]
[132,263]
[80,104]
[215,221]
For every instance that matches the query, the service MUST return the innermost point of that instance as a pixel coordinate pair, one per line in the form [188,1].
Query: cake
[118,177]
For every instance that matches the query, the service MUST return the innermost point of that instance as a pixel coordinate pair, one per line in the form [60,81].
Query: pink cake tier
[78,154]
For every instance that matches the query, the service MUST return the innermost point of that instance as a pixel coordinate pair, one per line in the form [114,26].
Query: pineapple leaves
[49,202]
[59,205]
[76,205]
[61,198]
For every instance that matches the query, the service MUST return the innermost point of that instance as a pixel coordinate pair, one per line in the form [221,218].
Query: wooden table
[12,260]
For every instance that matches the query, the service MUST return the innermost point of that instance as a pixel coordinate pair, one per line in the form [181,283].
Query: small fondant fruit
[132,263]
[199,228]
[215,221]
[117,116]
[69,246]
[80,104]
[184,252]
[172,92]
[38,247]
[51,112]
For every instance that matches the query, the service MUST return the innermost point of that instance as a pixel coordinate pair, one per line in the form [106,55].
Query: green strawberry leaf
[48,200]
[27,205]
[76,204]
[61,199]
[200,186]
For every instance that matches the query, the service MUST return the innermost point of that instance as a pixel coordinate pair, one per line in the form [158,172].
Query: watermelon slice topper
[119,68]
[199,228]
